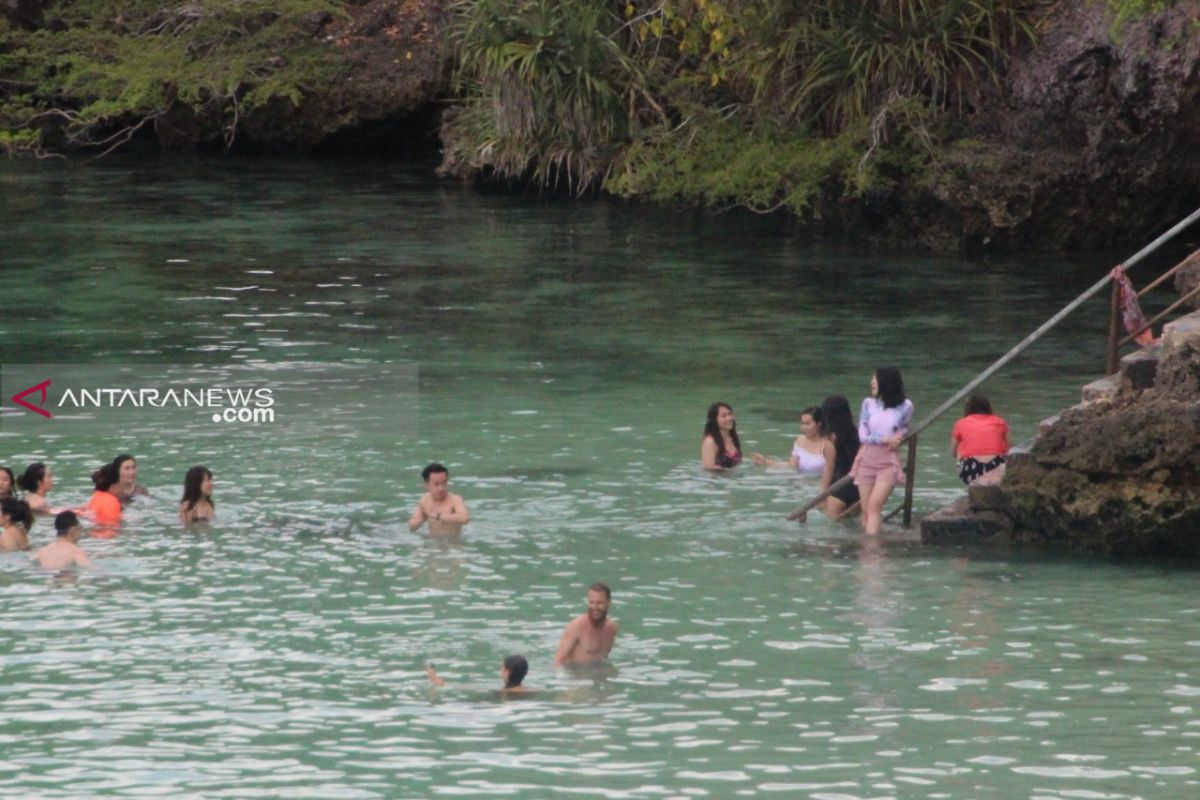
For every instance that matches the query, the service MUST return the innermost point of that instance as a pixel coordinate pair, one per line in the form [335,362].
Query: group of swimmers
[115,485]
[588,638]
[830,444]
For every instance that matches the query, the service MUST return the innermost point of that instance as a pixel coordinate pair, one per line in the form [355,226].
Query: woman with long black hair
[883,423]
[720,449]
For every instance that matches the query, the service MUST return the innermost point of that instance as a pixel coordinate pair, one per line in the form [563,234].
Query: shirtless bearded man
[588,638]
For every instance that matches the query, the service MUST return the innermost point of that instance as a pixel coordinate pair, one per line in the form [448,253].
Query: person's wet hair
[18,511]
[32,477]
[891,386]
[711,428]
[121,459]
[517,668]
[431,469]
[12,480]
[600,587]
[839,424]
[64,521]
[105,477]
[978,404]
[192,482]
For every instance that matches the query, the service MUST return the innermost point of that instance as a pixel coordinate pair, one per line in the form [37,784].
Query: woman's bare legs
[874,496]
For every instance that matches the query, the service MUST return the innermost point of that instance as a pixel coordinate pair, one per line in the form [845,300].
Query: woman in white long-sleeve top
[883,423]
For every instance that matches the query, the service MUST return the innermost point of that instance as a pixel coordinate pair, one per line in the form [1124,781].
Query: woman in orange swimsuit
[104,505]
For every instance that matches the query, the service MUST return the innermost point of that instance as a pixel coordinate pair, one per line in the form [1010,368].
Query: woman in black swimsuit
[839,426]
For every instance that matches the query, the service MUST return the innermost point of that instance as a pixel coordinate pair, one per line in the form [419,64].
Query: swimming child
[512,672]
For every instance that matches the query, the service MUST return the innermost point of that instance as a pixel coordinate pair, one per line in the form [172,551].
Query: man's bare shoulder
[577,623]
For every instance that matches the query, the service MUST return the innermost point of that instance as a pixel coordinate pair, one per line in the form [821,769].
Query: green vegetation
[552,88]
[747,102]
[761,103]
[1125,11]
[105,68]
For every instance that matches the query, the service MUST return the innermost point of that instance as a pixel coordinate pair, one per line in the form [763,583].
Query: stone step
[957,524]
[1105,389]
[1141,366]
[1178,377]
[1019,452]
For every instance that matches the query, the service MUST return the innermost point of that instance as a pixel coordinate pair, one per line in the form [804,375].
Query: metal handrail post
[1114,330]
[910,477]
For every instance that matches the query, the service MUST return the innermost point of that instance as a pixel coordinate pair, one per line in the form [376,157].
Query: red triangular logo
[19,398]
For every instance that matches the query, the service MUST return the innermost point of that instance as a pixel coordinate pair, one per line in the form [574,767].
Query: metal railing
[1090,292]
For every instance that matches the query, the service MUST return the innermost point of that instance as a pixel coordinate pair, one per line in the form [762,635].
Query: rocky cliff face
[397,70]
[1095,139]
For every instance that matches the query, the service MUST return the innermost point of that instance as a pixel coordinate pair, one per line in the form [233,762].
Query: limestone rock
[397,64]
[1178,374]
[1187,279]
[1114,479]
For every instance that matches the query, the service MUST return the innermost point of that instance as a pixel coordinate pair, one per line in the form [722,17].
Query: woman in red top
[979,441]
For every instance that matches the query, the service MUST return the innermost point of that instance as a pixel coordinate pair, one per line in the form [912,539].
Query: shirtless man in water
[588,638]
[445,512]
[63,552]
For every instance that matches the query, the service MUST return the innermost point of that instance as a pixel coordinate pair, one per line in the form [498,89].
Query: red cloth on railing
[1131,312]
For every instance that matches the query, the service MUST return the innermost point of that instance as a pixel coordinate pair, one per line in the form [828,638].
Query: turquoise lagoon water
[565,353]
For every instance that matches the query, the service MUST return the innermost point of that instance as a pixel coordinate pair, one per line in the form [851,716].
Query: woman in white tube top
[810,450]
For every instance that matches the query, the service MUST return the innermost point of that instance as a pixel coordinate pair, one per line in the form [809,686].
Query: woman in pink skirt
[882,424]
